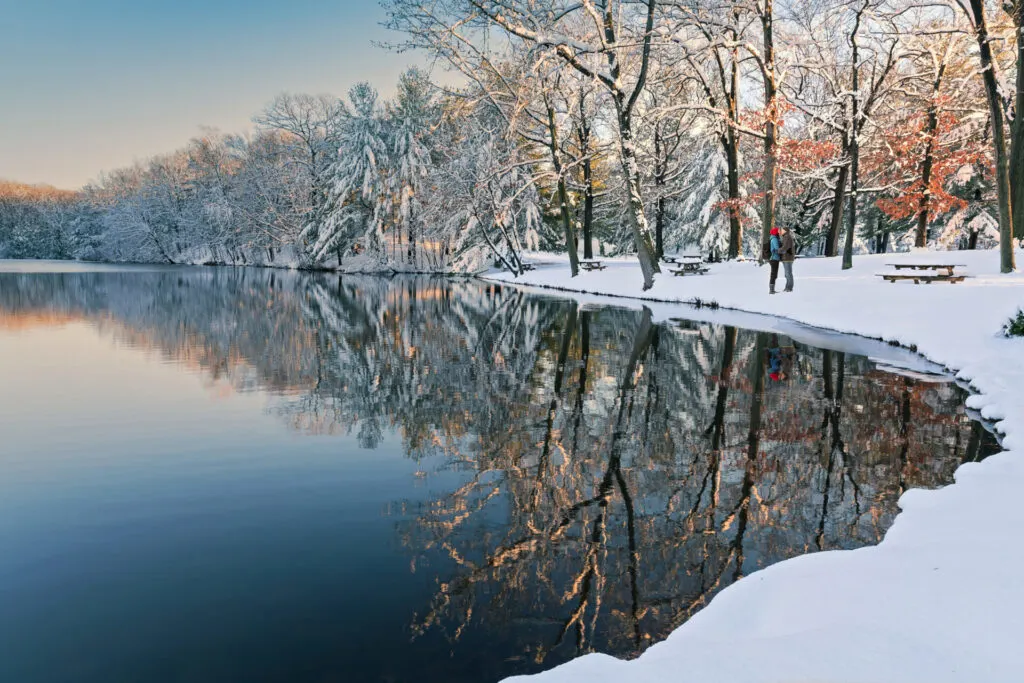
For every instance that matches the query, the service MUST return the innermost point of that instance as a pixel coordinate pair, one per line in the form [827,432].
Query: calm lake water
[212,475]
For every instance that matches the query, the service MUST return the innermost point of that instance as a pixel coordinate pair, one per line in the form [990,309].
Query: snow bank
[941,598]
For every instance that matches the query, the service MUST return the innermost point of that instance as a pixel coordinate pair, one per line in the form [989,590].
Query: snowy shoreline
[76,265]
[939,599]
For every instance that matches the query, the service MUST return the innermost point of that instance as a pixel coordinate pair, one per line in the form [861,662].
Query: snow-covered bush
[1014,327]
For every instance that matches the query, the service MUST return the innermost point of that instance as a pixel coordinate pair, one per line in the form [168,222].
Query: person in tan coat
[787,253]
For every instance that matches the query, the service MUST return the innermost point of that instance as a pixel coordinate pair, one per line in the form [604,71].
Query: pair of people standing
[783,251]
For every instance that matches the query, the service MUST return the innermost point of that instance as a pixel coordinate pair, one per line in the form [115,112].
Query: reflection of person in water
[775,363]
[780,361]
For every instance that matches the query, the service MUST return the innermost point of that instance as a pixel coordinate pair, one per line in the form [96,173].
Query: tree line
[600,126]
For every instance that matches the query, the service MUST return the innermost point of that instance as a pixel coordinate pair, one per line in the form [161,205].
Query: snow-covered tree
[603,44]
[353,216]
[411,118]
[485,201]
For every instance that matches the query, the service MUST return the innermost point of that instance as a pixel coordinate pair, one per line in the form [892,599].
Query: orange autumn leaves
[907,146]
[893,164]
[797,156]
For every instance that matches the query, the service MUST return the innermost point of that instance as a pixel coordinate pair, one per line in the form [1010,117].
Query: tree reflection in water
[615,473]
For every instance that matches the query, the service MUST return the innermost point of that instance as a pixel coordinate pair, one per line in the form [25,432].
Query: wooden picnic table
[591,265]
[948,267]
[690,268]
[679,259]
[919,277]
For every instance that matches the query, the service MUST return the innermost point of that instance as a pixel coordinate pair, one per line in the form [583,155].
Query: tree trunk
[921,235]
[1017,130]
[659,186]
[854,146]
[931,131]
[732,164]
[314,184]
[588,209]
[660,227]
[770,131]
[583,133]
[851,228]
[881,235]
[412,242]
[838,202]
[563,195]
[732,160]
[627,146]
[995,106]
[638,220]
[805,207]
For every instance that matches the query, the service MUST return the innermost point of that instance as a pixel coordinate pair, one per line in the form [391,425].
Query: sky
[92,85]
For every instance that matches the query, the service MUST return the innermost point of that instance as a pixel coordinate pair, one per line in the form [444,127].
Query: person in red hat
[776,246]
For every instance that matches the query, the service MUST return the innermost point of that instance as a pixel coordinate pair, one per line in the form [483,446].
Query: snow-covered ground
[942,597]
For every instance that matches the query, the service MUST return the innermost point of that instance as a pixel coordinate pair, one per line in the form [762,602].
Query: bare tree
[314,123]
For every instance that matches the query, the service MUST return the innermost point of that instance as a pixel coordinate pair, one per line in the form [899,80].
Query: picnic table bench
[678,260]
[689,268]
[591,265]
[918,277]
[528,266]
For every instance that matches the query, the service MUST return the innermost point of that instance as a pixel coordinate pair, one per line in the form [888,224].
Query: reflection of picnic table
[591,265]
[940,272]
[689,267]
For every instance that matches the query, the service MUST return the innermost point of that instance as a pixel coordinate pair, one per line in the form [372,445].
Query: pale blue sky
[91,85]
